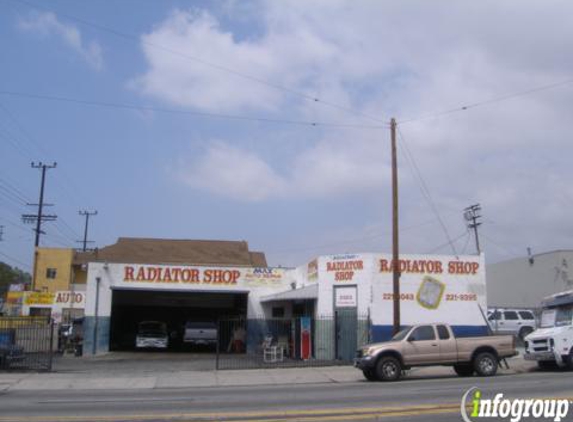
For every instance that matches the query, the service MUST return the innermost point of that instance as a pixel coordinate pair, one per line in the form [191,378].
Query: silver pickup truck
[433,344]
[200,333]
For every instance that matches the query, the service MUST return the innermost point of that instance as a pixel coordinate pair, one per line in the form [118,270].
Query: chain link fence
[293,342]
[26,343]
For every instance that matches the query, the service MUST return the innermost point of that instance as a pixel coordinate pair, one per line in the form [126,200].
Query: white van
[551,343]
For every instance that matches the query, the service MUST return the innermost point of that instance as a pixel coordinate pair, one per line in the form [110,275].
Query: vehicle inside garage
[173,308]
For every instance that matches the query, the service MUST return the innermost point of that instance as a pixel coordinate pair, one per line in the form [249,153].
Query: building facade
[524,282]
[349,295]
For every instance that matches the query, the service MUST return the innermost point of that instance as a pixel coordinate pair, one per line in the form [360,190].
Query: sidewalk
[97,380]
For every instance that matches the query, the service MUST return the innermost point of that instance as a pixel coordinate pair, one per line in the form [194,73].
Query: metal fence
[293,342]
[26,343]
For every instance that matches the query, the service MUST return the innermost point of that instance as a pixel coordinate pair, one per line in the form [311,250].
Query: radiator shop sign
[180,275]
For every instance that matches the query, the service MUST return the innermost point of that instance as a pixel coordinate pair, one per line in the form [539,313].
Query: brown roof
[169,251]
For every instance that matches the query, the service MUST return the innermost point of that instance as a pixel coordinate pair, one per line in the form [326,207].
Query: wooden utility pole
[87,214]
[395,249]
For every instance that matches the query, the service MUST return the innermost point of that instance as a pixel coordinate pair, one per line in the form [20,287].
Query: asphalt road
[428,399]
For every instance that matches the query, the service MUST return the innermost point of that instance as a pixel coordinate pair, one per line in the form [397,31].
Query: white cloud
[47,23]
[331,167]
[405,59]
[230,171]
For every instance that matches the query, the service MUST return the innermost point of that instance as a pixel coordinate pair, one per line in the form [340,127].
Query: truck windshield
[152,328]
[557,317]
[400,335]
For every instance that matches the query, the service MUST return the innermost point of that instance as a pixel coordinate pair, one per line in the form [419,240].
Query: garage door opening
[174,310]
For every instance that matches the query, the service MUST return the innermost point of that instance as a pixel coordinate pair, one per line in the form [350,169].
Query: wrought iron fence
[293,342]
[26,343]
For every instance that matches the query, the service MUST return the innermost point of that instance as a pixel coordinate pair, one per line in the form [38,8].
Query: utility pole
[395,249]
[471,215]
[30,218]
[1,233]
[87,215]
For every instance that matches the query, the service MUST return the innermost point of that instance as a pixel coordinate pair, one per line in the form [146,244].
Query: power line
[11,196]
[295,92]
[187,112]
[73,233]
[350,241]
[500,247]
[14,224]
[489,101]
[449,242]
[424,188]
[27,153]
[258,80]
[17,261]
[21,129]
[13,191]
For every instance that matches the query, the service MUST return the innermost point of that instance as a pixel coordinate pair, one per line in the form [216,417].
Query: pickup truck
[151,334]
[433,344]
[200,333]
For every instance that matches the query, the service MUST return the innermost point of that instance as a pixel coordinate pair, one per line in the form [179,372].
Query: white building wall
[522,282]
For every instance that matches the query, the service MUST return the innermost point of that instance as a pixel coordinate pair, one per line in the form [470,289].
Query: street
[427,398]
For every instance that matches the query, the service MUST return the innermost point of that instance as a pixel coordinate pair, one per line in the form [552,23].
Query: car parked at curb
[429,345]
[518,322]
[550,345]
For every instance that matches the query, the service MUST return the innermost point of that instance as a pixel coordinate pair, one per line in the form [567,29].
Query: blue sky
[293,191]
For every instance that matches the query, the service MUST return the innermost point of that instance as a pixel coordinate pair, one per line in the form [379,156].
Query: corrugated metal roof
[304,293]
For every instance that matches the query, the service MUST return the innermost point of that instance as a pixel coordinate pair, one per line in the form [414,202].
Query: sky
[268,122]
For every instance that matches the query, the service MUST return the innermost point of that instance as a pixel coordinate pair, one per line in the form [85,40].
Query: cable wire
[188,112]
[424,187]
[25,266]
[449,242]
[136,38]
[489,101]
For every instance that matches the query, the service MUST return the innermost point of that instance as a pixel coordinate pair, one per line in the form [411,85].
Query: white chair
[271,353]
[283,343]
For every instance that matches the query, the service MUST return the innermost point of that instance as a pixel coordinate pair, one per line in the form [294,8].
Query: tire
[524,332]
[388,368]
[485,364]
[370,375]
[464,370]
[546,364]
[569,361]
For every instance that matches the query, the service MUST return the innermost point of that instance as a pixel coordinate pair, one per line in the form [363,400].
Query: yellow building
[55,270]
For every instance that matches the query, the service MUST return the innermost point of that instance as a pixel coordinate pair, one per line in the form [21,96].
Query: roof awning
[304,293]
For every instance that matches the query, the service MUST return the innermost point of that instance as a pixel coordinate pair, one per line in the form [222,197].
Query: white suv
[519,322]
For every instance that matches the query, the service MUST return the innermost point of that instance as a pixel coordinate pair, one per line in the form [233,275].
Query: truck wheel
[569,360]
[485,364]
[464,370]
[546,364]
[388,368]
[370,375]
